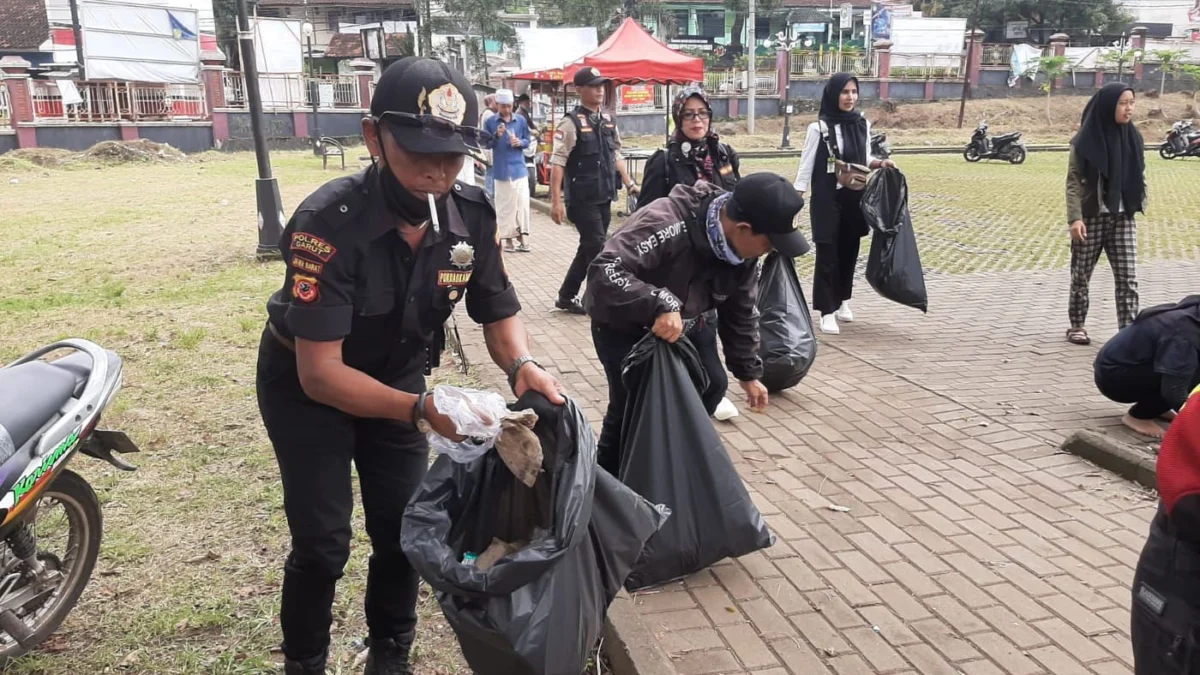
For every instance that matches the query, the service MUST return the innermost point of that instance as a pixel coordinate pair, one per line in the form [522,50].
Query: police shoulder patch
[305,289]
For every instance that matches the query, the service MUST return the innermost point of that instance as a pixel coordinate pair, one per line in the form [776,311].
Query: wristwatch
[516,367]
[419,419]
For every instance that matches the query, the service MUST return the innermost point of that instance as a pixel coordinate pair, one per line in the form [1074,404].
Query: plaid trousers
[1116,235]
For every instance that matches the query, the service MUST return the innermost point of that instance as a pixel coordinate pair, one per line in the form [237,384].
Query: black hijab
[853,124]
[1112,151]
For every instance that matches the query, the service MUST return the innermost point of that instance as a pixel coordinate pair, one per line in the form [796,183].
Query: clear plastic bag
[476,415]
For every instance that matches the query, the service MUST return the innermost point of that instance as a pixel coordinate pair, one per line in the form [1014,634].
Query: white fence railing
[115,101]
[289,91]
[926,66]
[826,63]
[5,109]
[727,82]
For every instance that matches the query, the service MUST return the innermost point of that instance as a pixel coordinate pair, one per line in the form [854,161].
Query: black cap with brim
[589,77]
[792,244]
[419,140]
[414,96]
[769,203]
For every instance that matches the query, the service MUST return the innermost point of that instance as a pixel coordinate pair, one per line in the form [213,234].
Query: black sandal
[1078,336]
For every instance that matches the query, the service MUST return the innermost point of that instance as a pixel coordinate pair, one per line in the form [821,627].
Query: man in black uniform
[587,156]
[372,275]
[691,255]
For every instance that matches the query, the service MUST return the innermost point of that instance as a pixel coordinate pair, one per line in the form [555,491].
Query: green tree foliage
[1054,67]
[478,19]
[1072,16]
[1170,61]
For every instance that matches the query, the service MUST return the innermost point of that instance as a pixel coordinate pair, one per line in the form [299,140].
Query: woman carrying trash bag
[694,153]
[838,140]
[1106,185]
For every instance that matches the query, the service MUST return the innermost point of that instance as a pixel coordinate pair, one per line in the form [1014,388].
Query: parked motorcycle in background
[1183,140]
[1008,147]
[50,519]
[880,148]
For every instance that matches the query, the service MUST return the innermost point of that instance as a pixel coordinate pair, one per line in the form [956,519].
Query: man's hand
[756,394]
[1079,231]
[514,141]
[500,129]
[668,326]
[442,425]
[634,189]
[887,164]
[558,212]
[530,376]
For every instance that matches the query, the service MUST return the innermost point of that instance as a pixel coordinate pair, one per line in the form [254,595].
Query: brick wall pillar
[975,64]
[782,72]
[212,76]
[14,76]
[929,90]
[1137,43]
[883,57]
[1099,78]
[364,70]
[733,107]
[1058,42]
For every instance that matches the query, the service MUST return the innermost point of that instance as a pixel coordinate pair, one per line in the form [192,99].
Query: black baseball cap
[769,203]
[588,76]
[428,106]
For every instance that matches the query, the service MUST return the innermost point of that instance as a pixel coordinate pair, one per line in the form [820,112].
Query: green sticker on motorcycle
[27,483]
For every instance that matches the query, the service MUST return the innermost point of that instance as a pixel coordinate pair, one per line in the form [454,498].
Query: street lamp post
[783,43]
[314,91]
[266,188]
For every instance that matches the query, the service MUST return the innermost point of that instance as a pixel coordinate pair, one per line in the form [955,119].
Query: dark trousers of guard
[315,445]
[1140,386]
[612,347]
[833,278]
[1165,621]
[591,220]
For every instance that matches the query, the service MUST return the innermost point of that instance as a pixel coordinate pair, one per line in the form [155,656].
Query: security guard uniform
[352,276]
[587,146]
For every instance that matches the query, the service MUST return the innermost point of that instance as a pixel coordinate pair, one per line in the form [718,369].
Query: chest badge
[462,255]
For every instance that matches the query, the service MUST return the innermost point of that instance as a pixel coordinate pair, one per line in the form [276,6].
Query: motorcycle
[1008,146]
[1183,140]
[49,411]
[880,148]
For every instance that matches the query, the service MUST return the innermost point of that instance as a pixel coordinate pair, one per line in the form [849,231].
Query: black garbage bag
[671,455]
[786,341]
[540,610]
[893,266]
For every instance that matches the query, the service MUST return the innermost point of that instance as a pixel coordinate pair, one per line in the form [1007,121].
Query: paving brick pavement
[971,545]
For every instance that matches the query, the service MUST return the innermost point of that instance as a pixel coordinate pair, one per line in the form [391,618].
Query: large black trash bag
[540,610]
[786,341]
[893,266]
[671,455]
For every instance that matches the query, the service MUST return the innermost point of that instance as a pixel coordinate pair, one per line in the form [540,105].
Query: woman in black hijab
[840,133]
[694,153]
[1106,185]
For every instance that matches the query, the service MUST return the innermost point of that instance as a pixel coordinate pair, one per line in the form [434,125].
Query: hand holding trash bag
[894,265]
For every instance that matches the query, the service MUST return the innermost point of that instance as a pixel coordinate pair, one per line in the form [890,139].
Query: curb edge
[1118,457]
[629,644]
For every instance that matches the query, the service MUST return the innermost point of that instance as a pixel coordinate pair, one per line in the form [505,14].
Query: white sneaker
[726,410]
[844,313]
[829,324]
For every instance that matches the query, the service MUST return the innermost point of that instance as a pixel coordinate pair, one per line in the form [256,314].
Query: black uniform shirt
[351,275]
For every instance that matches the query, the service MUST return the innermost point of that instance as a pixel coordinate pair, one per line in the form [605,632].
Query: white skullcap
[504,96]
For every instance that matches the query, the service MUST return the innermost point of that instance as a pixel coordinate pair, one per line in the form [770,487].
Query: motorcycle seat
[1007,137]
[31,394]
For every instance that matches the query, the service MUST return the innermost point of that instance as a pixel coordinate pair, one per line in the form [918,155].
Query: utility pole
[962,104]
[750,69]
[77,32]
[266,188]
[314,91]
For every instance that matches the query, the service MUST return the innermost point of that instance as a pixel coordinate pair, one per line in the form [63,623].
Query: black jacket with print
[661,261]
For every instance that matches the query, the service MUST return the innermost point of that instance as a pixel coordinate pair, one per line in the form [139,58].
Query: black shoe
[571,306]
[313,666]
[388,657]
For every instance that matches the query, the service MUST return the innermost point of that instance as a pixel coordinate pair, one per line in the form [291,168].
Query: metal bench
[330,147]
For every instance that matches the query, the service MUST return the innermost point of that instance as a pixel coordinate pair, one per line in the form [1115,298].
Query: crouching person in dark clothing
[1153,363]
[1165,618]
[685,257]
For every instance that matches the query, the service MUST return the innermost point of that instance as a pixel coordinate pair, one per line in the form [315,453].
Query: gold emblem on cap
[462,255]
[446,102]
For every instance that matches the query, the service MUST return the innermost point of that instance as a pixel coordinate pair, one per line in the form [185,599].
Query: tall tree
[480,21]
[741,10]
[1073,16]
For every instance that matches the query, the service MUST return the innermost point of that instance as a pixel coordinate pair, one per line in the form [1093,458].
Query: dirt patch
[46,158]
[140,151]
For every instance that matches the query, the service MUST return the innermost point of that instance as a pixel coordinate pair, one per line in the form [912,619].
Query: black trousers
[314,445]
[833,279]
[612,347]
[1165,618]
[1140,386]
[591,220]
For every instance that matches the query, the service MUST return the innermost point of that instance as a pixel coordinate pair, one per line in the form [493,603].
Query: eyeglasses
[437,127]
[690,115]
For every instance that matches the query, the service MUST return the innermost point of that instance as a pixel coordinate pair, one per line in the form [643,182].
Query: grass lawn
[157,263]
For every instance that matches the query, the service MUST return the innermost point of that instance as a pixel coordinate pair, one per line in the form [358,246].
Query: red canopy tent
[632,55]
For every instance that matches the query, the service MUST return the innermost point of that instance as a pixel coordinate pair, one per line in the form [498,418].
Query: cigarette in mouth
[433,216]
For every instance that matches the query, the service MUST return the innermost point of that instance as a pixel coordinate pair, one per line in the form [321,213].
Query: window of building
[675,22]
[711,23]
[334,18]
